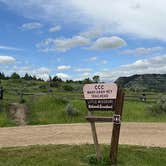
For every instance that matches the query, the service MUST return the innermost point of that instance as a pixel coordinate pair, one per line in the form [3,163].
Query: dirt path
[148,134]
[18,113]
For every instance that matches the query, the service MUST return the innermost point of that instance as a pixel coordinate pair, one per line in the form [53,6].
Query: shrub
[162,103]
[68,88]
[62,100]
[55,84]
[42,87]
[91,159]
[22,101]
[159,107]
[71,110]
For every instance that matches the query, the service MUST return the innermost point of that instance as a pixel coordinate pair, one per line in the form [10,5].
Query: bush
[68,88]
[91,159]
[159,107]
[54,84]
[162,103]
[71,110]
[42,87]
[62,100]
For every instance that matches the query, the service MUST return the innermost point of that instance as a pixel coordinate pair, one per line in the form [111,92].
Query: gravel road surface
[146,134]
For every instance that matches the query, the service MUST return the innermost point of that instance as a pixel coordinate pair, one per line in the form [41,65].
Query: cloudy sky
[76,39]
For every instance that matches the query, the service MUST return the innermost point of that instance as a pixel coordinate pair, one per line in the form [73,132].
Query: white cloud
[62,44]
[94,32]
[143,18]
[63,67]
[142,51]
[7,59]
[22,70]
[94,58]
[86,74]
[83,70]
[10,48]
[41,70]
[63,76]
[105,43]
[152,65]
[43,76]
[139,17]
[104,62]
[31,25]
[55,28]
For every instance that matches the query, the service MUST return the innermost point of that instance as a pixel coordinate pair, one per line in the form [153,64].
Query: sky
[77,39]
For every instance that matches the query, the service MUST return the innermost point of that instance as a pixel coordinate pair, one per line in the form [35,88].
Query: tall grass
[5,119]
[50,109]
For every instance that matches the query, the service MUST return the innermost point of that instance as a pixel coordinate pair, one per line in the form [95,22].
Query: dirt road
[148,134]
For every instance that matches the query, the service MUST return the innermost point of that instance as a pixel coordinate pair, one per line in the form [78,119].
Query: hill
[144,82]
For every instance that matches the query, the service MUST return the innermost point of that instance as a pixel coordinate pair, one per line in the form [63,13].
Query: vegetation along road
[146,134]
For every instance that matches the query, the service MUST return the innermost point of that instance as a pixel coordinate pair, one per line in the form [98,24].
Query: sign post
[105,97]
[95,139]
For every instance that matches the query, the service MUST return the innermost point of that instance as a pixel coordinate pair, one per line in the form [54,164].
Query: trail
[18,113]
[144,134]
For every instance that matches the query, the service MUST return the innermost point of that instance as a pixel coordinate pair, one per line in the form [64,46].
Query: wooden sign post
[105,97]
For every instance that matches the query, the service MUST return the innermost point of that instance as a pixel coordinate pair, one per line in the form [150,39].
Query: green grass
[138,112]
[68,155]
[5,119]
[50,109]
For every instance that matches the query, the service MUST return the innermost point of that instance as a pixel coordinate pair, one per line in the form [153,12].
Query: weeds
[71,110]
[158,108]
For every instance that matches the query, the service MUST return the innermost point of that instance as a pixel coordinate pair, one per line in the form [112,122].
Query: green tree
[2,76]
[28,77]
[87,81]
[69,81]
[68,88]
[96,78]
[56,79]
[34,77]
[15,76]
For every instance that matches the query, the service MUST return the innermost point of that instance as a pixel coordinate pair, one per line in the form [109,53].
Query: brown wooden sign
[100,96]
[105,96]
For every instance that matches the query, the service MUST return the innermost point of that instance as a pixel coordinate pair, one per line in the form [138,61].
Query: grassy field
[50,108]
[83,155]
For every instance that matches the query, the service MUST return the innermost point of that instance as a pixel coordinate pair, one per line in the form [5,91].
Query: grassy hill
[145,82]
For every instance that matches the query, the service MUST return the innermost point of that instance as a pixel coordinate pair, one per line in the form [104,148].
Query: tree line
[55,79]
[17,76]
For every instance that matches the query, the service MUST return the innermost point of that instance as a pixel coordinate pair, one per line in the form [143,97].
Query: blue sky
[76,39]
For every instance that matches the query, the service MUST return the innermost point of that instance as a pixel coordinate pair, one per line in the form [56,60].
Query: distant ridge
[144,82]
